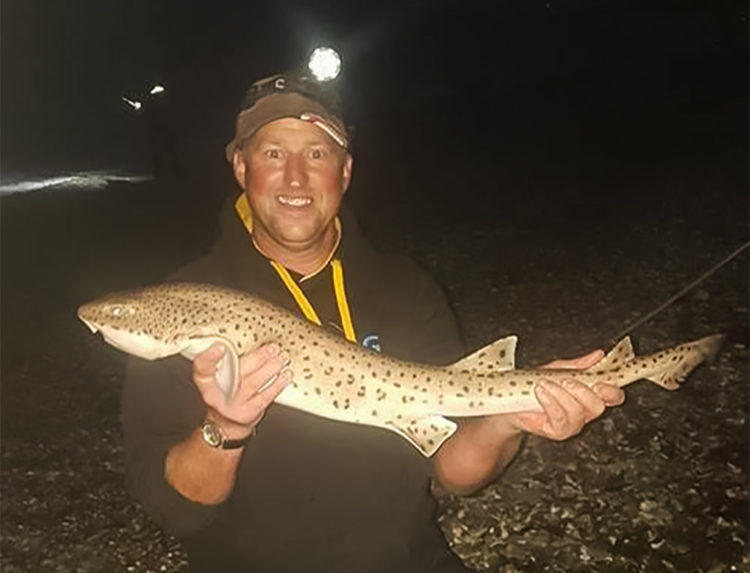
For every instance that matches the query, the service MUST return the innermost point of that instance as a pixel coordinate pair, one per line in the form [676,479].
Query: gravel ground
[659,484]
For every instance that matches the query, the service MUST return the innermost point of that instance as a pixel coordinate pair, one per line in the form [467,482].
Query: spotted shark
[343,381]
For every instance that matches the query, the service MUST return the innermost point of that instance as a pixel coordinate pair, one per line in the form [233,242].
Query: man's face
[294,176]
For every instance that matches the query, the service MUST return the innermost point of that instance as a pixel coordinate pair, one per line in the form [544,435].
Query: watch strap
[234,444]
[212,428]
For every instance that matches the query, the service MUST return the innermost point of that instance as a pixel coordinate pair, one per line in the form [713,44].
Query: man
[253,486]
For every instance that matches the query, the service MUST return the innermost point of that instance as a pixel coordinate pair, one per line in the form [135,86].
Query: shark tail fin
[680,361]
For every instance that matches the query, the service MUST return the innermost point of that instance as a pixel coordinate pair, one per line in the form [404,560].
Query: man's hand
[569,406]
[482,447]
[264,373]
[207,475]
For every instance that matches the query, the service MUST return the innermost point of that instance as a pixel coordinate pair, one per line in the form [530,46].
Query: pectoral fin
[426,434]
[228,369]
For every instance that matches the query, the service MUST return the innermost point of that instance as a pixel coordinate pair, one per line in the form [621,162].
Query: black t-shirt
[311,494]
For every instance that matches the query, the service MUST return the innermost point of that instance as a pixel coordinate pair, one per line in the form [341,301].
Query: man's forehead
[288,128]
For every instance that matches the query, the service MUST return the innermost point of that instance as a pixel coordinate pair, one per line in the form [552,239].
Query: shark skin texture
[343,381]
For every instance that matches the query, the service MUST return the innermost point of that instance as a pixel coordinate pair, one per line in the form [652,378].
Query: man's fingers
[267,392]
[280,376]
[611,395]
[579,363]
[254,381]
[251,410]
[253,360]
[569,407]
[588,360]
[205,363]
[592,406]
[548,393]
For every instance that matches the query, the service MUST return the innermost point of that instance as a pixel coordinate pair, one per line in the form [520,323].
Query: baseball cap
[287,95]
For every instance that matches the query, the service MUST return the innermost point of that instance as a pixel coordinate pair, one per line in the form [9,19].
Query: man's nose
[296,171]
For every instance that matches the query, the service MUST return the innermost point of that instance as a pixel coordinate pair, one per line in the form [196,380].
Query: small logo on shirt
[372,341]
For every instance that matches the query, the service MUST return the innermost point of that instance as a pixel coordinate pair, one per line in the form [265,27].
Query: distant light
[157,89]
[325,64]
[19,182]
[135,104]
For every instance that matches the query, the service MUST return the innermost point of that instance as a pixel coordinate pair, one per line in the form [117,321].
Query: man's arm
[482,447]
[178,478]
[195,469]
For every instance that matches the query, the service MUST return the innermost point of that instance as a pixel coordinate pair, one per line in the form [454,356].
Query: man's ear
[346,173]
[239,167]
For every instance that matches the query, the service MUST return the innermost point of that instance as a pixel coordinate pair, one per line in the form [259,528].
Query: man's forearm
[201,473]
[479,450]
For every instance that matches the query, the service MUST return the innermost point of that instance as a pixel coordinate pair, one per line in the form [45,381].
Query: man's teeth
[294,201]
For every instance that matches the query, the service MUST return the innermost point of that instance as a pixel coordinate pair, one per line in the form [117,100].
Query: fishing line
[701,278]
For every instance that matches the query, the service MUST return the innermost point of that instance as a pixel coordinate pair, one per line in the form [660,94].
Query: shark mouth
[93,328]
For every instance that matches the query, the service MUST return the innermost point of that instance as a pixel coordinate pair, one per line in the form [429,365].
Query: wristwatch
[211,434]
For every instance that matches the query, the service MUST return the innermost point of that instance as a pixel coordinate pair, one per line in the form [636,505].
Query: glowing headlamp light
[324,64]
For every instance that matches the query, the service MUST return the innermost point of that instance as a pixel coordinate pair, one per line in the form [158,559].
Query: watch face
[211,434]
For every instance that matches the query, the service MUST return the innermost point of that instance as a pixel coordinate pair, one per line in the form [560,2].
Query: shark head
[132,322]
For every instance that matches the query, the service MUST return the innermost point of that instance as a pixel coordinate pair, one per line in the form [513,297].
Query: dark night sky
[522,66]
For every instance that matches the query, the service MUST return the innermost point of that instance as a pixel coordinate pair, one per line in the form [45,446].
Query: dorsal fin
[622,352]
[497,356]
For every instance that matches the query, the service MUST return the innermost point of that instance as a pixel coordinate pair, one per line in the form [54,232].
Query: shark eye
[121,310]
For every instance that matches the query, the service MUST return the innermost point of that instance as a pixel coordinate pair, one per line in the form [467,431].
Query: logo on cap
[321,122]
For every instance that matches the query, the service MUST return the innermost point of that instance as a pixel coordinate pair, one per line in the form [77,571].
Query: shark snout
[82,315]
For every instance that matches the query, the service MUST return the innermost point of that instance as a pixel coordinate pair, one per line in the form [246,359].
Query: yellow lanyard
[307,307]
[246,215]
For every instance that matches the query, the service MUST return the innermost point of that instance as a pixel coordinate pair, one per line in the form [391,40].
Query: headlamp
[324,64]
[308,94]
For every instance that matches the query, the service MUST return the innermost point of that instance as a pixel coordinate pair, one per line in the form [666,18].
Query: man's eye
[317,154]
[273,153]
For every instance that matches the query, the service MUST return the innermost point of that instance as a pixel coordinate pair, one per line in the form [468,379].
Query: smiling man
[249,485]
[294,177]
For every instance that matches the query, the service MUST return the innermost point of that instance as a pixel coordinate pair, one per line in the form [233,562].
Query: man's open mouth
[294,201]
